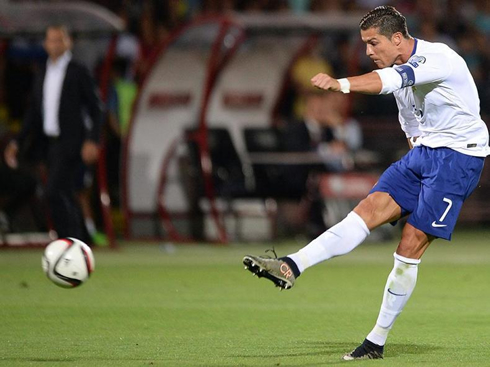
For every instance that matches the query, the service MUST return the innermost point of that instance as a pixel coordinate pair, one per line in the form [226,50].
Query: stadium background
[137,57]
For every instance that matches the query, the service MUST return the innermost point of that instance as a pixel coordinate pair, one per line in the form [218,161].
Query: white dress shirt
[53,83]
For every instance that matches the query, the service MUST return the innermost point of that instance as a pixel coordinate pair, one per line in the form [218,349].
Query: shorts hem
[430,231]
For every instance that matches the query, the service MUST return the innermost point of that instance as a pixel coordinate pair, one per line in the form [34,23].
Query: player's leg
[435,215]
[398,289]
[393,196]
[401,281]
[378,208]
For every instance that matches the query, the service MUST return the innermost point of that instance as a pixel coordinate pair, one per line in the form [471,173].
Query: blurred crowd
[462,24]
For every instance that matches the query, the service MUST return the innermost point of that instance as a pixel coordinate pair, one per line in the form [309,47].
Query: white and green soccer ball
[68,262]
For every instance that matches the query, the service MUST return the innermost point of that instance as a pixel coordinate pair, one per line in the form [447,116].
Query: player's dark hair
[387,19]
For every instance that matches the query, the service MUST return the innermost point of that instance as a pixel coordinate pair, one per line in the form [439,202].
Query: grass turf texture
[196,306]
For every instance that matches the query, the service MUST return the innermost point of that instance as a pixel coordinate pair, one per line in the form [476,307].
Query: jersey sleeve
[418,70]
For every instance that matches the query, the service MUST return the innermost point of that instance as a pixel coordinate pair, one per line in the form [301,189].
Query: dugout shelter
[215,81]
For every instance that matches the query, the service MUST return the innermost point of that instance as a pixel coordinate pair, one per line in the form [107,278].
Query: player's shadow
[395,350]
[300,349]
[392,349]
[40,359]
[309,348]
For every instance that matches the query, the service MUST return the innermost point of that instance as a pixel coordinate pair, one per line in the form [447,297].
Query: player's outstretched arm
[369,83]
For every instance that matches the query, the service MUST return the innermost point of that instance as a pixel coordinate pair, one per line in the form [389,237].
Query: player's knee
[366,209]
[378,208]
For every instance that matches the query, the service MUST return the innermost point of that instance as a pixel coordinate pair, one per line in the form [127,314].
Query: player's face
[382,50]
[56,42]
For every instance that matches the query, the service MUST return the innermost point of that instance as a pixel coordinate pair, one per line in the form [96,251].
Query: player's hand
[90,152]
[10,155]
[325,82]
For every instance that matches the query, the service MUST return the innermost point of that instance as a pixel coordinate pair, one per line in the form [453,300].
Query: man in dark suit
[64,95]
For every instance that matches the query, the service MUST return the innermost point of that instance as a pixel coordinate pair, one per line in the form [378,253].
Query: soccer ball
[68,262]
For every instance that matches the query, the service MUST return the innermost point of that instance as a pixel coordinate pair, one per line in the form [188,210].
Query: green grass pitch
[197,306]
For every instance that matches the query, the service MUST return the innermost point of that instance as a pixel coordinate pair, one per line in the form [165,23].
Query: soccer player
[439,112]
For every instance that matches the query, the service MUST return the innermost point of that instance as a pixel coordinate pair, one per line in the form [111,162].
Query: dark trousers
[63,163]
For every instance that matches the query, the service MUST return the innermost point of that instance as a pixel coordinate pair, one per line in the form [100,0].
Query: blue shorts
[431,185]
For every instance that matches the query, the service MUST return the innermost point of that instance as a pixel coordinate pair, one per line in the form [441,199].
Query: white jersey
[437,99]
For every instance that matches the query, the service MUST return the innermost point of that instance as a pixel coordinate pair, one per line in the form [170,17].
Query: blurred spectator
[346,130]
[307,65]
[332,116]
[307,133]
[63,92]
[122,93]
[325,129]
[127,46]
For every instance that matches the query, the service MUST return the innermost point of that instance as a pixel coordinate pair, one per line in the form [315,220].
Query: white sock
[399,287]
[341,239]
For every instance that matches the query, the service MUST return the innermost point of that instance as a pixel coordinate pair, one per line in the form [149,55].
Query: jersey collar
[414,47]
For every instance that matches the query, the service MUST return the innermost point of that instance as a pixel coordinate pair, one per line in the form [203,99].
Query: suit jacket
[79,98]
[296,137]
